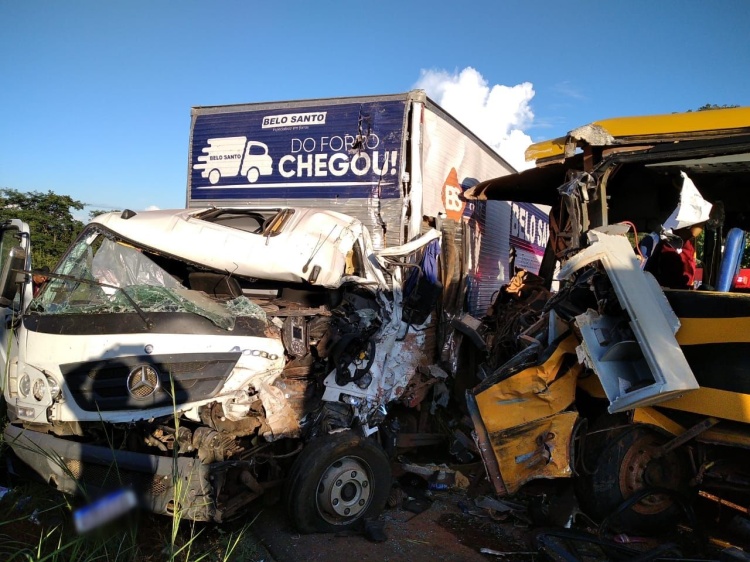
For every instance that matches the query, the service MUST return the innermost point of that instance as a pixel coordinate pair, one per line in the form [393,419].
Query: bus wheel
[629,465]
[337,482]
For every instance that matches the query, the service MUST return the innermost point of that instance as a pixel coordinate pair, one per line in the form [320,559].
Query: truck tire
[627,464]
[214,176]
[337,482]
[253,174]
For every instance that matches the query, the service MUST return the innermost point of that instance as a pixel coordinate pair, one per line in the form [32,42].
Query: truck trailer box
[399,163]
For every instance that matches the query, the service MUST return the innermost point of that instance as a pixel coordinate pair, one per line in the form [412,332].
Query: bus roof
[623,131]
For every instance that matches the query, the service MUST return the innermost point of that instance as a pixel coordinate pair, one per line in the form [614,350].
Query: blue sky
[95,96]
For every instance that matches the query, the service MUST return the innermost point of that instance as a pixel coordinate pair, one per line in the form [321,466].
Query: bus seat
[731,259]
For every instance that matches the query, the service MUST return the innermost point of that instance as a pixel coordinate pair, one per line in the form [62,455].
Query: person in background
[39,278]
[673,261]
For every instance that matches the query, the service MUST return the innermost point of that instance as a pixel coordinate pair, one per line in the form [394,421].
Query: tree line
[53,226]
[50,219]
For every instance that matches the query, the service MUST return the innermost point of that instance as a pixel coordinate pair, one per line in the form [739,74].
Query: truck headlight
[38,390]
[54,387]
[24,385]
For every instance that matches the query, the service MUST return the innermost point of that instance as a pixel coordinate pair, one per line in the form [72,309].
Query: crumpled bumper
[163,484]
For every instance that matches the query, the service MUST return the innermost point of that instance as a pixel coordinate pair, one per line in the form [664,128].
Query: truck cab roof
[311,245]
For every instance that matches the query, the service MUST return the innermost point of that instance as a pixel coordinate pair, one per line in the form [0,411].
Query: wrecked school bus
[275,331]
[636,384]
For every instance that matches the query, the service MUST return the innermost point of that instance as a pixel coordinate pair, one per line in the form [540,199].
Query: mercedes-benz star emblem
[143,382]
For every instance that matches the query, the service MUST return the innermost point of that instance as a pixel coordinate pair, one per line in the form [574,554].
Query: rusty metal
[640,468]
[683,438]
[722,501]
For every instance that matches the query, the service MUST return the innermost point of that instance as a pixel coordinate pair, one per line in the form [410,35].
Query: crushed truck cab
[188,340]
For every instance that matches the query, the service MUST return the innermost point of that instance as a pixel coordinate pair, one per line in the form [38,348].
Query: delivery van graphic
[232,156]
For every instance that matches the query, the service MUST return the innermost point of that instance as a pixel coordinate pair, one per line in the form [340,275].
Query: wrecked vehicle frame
[637,392]
[195,375]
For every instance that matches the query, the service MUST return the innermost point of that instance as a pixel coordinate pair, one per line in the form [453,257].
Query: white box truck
[398,162]
[277,331]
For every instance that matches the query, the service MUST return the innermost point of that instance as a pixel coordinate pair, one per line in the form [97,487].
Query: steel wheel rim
[344,491]
[635,471]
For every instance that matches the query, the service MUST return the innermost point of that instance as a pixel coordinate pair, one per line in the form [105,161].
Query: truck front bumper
[163,485]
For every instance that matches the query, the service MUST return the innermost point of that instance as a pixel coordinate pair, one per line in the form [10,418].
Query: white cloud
[152,208]
[497,115]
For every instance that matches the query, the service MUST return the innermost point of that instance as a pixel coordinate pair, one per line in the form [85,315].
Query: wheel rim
[642,468]
[344,491]
[214,176]
[252,175]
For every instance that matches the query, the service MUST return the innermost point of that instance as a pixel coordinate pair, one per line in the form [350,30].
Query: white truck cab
[199,351]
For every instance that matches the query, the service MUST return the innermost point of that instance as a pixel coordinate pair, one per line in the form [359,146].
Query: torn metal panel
[302,245]
[282,419]
[533,393]
[650,369]
[77,468]
[522,429]
[538,449]
[592,134]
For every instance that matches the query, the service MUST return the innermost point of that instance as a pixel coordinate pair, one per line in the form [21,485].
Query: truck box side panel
[342,156]
[491,238]
[529,232]
[455,160]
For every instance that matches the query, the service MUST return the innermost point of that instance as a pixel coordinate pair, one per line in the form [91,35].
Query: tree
[709,106]
[50,219]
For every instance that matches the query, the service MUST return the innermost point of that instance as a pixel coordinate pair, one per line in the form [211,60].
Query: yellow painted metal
[530,394]
[539,449]
[654,417]
[524,416]
[546,149]
[696,331]
[706,401]
[736,436]
[670,127]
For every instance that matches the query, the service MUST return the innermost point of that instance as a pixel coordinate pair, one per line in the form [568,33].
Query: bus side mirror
[10,276]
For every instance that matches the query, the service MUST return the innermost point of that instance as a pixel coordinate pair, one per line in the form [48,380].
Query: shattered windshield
[107,276]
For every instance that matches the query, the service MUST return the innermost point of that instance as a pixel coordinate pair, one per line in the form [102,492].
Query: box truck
[399,163]
[277,331]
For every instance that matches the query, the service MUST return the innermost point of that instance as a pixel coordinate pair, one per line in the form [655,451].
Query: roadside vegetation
[36,522]
[36,525]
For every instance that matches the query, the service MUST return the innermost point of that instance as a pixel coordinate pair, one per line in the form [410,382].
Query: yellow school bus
[637,388]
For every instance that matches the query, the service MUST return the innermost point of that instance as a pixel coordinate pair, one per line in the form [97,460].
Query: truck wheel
[253,174]
[214,176]
[628,464]
[337,482]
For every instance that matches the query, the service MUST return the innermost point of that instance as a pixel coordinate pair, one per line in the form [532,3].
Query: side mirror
[9,279]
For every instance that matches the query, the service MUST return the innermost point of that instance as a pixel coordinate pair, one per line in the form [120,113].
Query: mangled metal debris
[223,369]
[638,369]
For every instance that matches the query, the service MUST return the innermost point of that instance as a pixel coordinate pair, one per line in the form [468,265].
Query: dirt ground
[450,527]
[441,533]
[453,529]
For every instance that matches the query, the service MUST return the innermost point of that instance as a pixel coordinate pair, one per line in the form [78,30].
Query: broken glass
[243,306]
[106,276]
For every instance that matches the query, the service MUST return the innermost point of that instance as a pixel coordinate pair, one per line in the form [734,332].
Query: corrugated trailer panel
[492,269]
[455,160]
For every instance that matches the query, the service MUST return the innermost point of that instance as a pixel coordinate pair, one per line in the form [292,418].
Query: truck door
[14,242]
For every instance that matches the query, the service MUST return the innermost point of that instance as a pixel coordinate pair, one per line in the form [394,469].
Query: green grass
[36,525]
